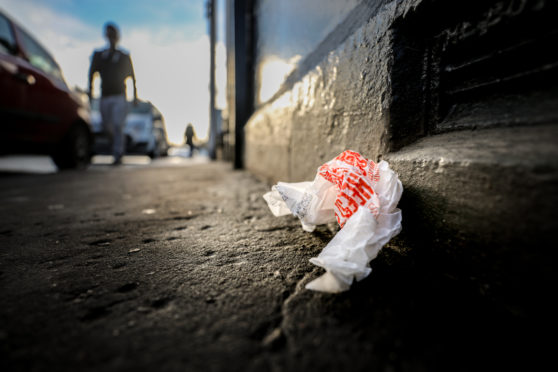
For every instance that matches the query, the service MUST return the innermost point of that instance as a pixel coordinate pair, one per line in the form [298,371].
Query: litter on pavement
[362,196]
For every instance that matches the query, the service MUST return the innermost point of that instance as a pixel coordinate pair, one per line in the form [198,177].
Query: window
[141,108]
[40,58]
[7,41]
[287,32]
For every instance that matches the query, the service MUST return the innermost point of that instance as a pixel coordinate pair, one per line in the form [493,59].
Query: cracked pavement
[184,268]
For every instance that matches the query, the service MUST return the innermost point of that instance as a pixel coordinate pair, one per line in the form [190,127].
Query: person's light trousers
[114,110]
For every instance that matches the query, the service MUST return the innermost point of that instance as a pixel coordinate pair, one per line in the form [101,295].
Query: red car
[38,112]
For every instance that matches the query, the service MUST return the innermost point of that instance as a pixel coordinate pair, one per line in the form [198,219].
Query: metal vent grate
[499,68]
[473,64]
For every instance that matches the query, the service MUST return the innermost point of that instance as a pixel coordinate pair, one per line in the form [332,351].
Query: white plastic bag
[362,196]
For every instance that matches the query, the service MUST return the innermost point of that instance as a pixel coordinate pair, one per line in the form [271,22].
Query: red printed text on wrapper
[355,178]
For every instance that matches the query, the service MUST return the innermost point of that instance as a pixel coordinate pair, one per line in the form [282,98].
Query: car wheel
[75,150]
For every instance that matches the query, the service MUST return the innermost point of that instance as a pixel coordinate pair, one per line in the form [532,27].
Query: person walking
[189,135]
[114,67]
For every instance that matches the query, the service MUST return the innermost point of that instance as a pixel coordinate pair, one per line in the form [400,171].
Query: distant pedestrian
[189,136]
[114,67]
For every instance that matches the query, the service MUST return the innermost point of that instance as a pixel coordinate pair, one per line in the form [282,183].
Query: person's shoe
[117,161]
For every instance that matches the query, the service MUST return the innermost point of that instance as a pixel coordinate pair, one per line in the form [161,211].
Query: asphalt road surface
[179,266]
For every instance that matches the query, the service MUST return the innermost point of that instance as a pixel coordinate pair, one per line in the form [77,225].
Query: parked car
[39,113]
[144,130]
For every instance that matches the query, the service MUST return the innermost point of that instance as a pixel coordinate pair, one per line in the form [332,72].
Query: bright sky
[167,40]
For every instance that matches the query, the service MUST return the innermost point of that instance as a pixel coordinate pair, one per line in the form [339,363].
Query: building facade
[460,97]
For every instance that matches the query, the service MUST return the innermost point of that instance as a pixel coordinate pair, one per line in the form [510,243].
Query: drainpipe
[213,130]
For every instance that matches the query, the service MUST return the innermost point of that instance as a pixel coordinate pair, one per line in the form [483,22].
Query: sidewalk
[185,269]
